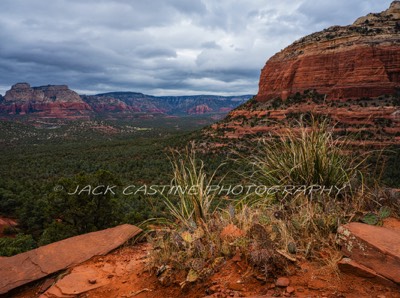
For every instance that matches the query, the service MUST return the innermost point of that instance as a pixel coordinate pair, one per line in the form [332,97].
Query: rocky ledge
[33,265]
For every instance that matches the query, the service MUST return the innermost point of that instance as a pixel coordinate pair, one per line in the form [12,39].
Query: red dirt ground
[123,274]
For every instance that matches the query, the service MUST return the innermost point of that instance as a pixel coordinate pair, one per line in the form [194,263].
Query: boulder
[282,282]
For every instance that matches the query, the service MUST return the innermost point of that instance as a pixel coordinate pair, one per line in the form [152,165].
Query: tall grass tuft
[305,156]
[192,186]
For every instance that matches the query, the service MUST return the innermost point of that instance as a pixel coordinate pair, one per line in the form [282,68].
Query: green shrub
[86,211]
[19,244]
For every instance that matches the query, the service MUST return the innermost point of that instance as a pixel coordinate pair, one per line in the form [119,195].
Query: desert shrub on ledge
[272,231]
[305,155]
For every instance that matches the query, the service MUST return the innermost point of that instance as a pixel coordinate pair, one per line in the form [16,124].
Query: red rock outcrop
[6,223]
[108,104]
[360,60]
[349,75]
[50,101]
[35,264]
[200,109]
[373,251]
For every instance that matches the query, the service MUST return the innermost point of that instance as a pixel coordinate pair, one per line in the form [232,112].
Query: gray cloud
[210,45]
[162,47]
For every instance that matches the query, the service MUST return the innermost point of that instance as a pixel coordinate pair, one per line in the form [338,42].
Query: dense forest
[40,165]
[43,165]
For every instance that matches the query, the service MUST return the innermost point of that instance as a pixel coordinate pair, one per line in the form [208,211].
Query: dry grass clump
[201,236]
[200,251]
[195,201]
[306,156]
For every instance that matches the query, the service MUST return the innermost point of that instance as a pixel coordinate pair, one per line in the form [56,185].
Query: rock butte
[200,109]
[360,60]
[349,75]
[53,101]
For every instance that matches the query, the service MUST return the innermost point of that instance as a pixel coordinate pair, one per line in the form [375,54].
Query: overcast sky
[169,47]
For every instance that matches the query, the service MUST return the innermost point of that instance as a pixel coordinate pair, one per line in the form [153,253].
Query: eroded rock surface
[51,101]
[360,60]
[373,247]
[348,75]
[35,264]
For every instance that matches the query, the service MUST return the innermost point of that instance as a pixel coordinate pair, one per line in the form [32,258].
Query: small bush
[19,244]
[193,242]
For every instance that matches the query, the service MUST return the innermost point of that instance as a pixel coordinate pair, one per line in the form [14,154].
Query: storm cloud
[160,47]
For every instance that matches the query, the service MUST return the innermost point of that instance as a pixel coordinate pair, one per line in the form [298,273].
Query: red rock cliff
[360,60]
[49,101]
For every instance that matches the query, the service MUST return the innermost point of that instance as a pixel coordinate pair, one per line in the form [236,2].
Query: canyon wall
[360,60]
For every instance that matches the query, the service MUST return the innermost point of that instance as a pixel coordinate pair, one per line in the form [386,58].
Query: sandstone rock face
[200,109]
[366,123]
[108,104]
[347,75]
[35,264]
[360,60]
[376,248]
[55,101]
[22,92]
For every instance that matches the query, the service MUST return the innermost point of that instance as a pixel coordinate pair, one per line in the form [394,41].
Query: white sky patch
[188,54]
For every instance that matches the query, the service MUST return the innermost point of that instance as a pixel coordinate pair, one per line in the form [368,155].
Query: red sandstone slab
[35,264]
[377,248]
[347,265]
[77,282]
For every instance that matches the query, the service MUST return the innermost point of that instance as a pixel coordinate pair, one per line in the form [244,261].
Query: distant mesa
[58,101]
[23,92]
[359,60]
[108,104]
